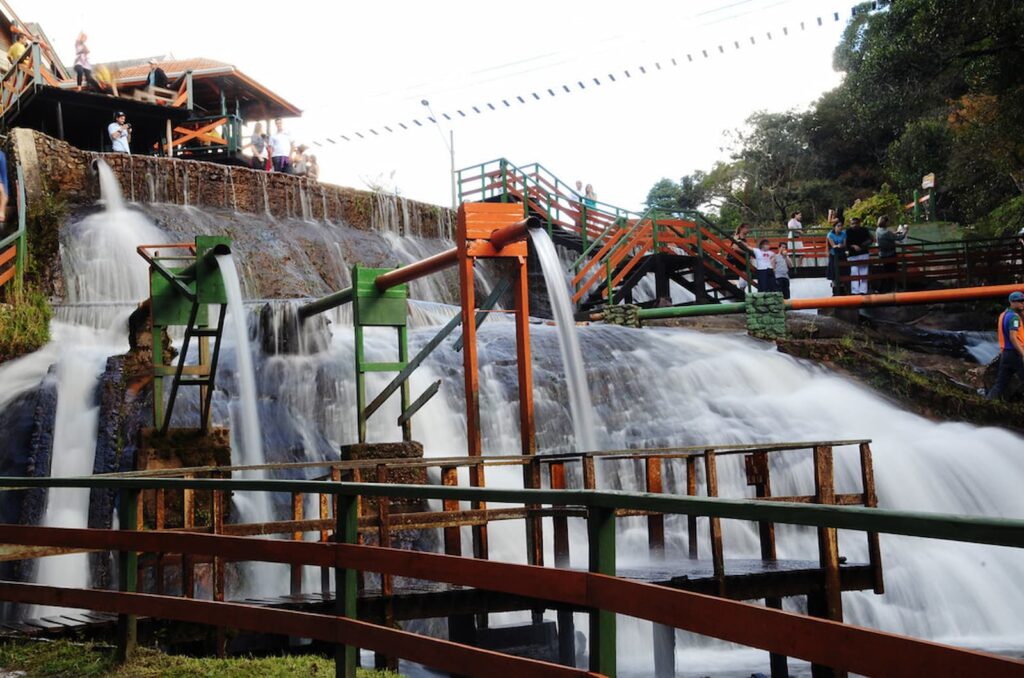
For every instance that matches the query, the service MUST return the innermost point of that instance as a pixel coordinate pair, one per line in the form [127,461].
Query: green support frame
[182,288]
[373,308]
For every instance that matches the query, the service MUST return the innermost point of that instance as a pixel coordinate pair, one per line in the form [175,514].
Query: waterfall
[583,423]
[100,265]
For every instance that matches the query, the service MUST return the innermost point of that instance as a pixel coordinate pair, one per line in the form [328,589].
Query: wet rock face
[26,447]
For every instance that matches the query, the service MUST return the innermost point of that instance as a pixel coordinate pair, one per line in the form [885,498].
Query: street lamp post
[449,143]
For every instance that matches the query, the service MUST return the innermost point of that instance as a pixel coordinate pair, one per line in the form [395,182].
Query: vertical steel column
[346,529]
[601,531]
[403,357]
[360,378]
[527,435]
[128,573]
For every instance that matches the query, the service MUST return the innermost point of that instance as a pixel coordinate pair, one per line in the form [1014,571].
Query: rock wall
[57,167]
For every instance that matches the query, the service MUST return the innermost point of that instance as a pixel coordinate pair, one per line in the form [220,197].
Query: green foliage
[929,86]
[688,194]
[24,322]
[44,219]
[88,660]
[1007,219]
[883,203]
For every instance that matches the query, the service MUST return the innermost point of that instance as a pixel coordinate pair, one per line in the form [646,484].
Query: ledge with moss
[24,323]
[89,660]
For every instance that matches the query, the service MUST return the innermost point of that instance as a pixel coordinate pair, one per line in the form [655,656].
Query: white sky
[351,66]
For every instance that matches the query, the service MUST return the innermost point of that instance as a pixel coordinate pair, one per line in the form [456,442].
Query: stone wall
[58,167]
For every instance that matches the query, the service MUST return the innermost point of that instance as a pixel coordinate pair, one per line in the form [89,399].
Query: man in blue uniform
[1011,345]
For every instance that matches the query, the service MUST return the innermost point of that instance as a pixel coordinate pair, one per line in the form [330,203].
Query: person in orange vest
[1011,345]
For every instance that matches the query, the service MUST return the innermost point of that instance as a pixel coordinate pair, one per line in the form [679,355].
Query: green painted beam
[971,529]
[325,303]
[686,311]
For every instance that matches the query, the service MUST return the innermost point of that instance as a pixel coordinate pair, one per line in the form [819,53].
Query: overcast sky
[352,66]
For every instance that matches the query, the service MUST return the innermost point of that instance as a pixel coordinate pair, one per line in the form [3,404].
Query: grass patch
[24,323]
[90,660]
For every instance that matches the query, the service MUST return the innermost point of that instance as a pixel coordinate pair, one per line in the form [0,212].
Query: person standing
[281,147]
[795,227]
[763,262]
[120,134]
[589,197]
[836,242]
[1011,345]
[312,169]
[19,47]
[887,241]
[83,69]
[781,264]
[858,246]
[259,143]
[156,76]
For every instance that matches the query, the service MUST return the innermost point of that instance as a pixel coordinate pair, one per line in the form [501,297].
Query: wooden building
[199,114]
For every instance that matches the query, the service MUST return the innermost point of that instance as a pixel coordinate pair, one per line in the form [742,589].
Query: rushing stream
[646,388]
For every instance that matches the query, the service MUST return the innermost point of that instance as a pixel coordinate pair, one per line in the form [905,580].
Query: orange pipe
[499,238]
[897,298]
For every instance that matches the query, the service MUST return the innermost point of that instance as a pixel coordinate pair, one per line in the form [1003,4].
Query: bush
[885,202]
[24,322]
[1007,219]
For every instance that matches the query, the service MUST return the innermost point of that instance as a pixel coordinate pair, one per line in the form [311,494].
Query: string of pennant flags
[582,84]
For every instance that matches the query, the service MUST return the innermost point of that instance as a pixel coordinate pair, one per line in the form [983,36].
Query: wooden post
[325,513]
[867,476]
[655,523]
[218,510]
[664,636]
[298,511]
[188,513]
[345,532]
[128,571]
[715,524]
[161,523]
[589,472]
[452,535]
[560,538]
[169,131]
[691,490]
[828,604]
[381,660]
[527,435]
[601,532]
[759,475]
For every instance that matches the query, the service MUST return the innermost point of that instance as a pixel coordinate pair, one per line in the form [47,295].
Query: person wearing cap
[120,133]
[1011,345]
[156,76]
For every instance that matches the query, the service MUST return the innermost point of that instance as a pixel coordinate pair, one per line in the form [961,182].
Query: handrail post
[828,603]
[601,531]
[715,523]
[504,179]
[691,520]
[128,573]
[345,532]
[867,474]
[37,65]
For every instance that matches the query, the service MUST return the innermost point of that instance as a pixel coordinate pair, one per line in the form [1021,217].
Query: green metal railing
[818,639]
[561,205]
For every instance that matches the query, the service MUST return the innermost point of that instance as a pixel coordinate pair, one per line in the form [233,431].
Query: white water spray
[568,343]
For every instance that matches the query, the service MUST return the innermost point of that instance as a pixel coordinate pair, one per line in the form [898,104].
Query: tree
[688,194]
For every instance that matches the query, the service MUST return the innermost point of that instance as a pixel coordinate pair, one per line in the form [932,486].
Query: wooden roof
[209,79]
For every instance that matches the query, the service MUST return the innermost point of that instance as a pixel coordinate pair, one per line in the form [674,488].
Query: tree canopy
[929,86]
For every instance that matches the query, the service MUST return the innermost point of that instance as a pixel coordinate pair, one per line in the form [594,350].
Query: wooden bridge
[616,248]
[686,592]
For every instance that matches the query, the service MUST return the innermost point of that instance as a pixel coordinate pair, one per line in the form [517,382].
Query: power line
[590,83]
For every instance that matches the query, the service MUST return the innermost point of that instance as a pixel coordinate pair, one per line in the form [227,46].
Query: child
[781,264]
[763,257]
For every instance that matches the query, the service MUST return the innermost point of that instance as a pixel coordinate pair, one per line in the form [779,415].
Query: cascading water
[100,265]
[579,391]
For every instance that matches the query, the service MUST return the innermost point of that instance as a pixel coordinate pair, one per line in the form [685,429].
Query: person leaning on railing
[836,243]
[887,242]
